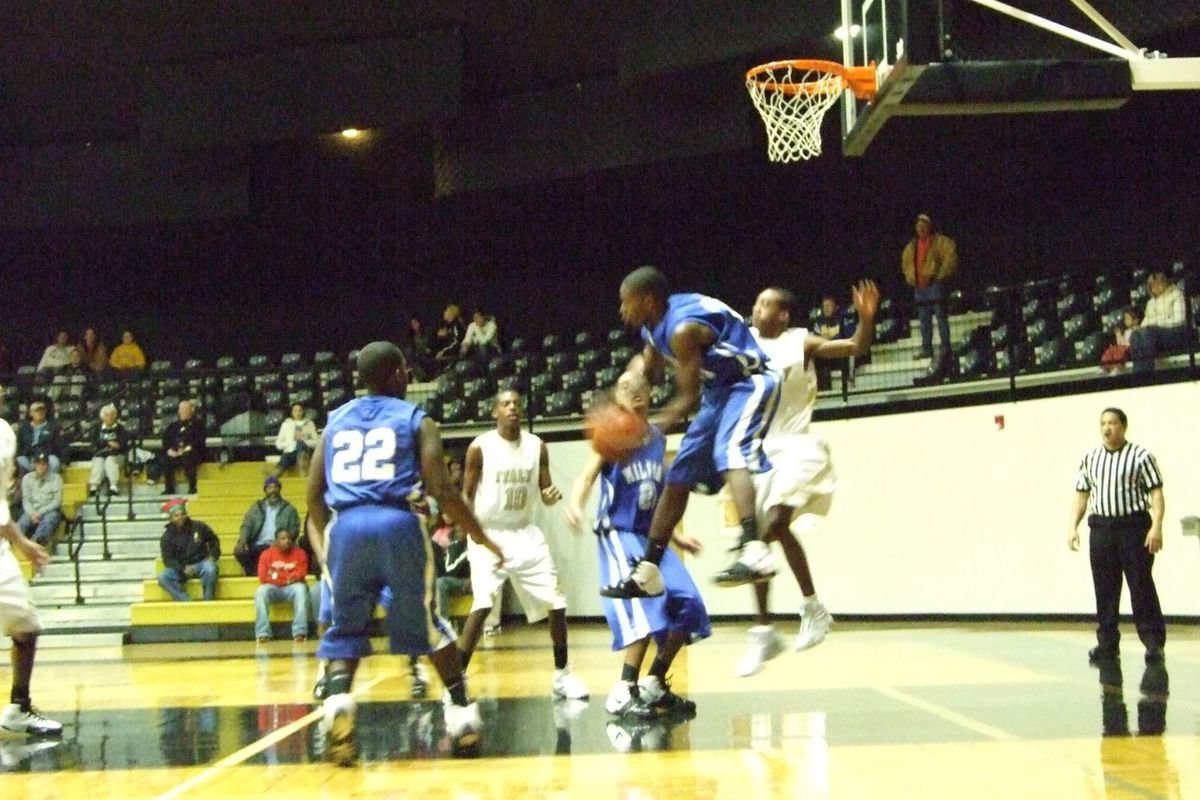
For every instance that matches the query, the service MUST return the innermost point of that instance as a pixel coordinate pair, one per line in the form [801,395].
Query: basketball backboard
[928,64]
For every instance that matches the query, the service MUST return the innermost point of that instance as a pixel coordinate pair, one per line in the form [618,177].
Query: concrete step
[121,548]
[90,616]
[93,567]
[69,639]
[62,592]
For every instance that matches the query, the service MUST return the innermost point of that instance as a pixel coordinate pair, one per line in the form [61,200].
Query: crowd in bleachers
[1041,325]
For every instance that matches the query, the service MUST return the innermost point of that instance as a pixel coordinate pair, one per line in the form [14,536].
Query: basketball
[615,432]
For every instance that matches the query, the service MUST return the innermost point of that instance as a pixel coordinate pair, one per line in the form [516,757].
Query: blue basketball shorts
[679,608]
[727,433]
[370,549]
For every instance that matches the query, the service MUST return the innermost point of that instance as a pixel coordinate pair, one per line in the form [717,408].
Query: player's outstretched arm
[581,488]
[866,302]
[648,364]
[550,492]
[314,496]
[33,551]
[438,486]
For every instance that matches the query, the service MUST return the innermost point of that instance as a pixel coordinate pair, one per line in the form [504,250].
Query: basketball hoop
[793,96]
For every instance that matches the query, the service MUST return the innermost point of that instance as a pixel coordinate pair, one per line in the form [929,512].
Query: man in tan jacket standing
[928,261]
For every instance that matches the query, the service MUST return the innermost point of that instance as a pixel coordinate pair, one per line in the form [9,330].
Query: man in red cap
[190,549]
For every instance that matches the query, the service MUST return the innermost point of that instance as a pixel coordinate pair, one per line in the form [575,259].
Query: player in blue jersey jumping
[375,451]
[629,492]
[719,364]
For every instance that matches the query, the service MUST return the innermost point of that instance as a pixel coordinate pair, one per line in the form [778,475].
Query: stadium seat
[1071,304]
[272,420]
[584,340]
[333,397]
[1089,349]
[1105,299]
[978,339]
[518,345]
[577,381]
[562,404]
[352,358]
[1052,353]
[1001,335]
[1037,290]
[542,384]
[617,337]
[324,359]
[258,361]
[268,382]
[559,363]
[1112,319]
[1035,308]
[1079,325]
[475,389]
[235,383]
[301,379]
[455,411]
[660,394]
[1040,330]
[483,408]
[887,330]
[466,369]
[525,364]
[161,365]
[513,383]
[500,366]
[291,361]
[226,363]
[1138,296]
[606,378]
[274,399]
[621,356]
[1020,358]
[551,343]
[974,362]
[303,396]
[590,359]
[1139,276]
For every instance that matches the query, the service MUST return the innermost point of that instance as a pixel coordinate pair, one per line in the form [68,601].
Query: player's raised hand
[866,298]
[551,495]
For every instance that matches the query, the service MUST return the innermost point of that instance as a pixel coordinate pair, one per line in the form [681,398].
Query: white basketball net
[793,118]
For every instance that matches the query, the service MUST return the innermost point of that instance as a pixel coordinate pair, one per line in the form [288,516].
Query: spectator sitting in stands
[482,339]
[833,323]
[39,435]
[95,352]
[1115,355]
[109,442]
[1164,325]
[75,379]
[58,354]
[183,446]
[282,568]
[262,523]
[189,549]
[127,356]
[448,337]
[41,501]
[295,442]
[421,364]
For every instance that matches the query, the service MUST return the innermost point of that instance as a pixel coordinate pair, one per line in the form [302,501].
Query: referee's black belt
[1137,519]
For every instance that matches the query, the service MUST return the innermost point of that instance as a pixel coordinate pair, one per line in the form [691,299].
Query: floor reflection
[1136,763]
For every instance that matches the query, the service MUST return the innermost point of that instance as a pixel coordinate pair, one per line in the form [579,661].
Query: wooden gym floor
[877,711]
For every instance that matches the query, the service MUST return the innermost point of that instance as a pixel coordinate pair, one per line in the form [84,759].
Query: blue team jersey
[629,492]
[733,357]
[371,453]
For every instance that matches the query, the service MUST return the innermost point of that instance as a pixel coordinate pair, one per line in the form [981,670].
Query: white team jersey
[509,481]
[798,384]
[8,452]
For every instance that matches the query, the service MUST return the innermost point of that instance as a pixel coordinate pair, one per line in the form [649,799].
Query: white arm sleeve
[8,451]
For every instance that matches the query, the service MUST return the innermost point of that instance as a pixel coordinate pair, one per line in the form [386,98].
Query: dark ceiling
[505,89]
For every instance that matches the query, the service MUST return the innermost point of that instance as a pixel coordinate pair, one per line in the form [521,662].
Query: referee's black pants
[1118,548]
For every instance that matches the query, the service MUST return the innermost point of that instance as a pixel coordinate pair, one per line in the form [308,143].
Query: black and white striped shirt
[1118,481]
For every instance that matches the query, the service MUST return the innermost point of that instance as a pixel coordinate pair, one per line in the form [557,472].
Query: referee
[1121,488]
